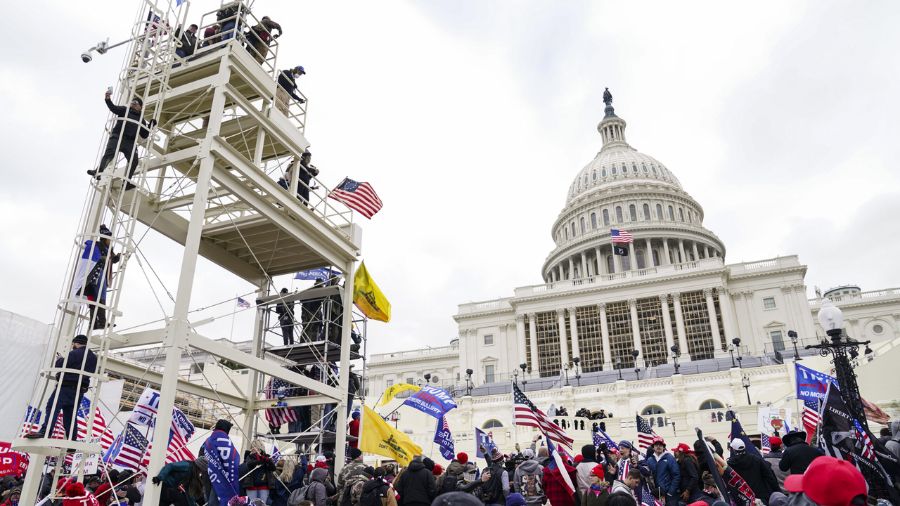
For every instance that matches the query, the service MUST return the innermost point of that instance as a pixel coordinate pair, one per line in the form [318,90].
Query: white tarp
[24,344]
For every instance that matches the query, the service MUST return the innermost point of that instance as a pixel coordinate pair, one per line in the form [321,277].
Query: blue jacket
[665,472]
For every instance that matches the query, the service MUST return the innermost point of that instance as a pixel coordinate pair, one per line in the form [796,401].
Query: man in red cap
[689,469]
[830,482]
[665,471]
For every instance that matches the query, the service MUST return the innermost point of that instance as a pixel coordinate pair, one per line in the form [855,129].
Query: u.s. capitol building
[606,331]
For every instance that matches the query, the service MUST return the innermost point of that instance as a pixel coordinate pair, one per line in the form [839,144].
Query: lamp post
[576,361]
[637,370]
[745,382]
[737,346]
[793,336]
[675,354]
[523,366]
[619,367]
[469,381]
[731,351]
[566,372]
[427,377]
[516,376]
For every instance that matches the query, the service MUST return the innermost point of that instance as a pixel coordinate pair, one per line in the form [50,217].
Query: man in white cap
[753,469]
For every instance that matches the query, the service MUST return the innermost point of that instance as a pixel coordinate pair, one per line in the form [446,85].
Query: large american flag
[556,462]
[100,430]
[525,413]
[645,433]
[360,197]
[132,449]
[279,416]
[620,236]
[810,417]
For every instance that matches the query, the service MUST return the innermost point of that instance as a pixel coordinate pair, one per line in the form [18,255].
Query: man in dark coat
[416,485]
[287,87]
[665,471]
[754,470]
[72,385]
[285,312]
[188,40]
[797,454]
[689,468]
[128,126]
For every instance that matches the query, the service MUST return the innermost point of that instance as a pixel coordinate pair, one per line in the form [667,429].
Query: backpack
[371,497]
[448,483]
[298,496]
[352,490]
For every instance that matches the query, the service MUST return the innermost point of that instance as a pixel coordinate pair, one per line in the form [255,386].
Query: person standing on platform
[305,171]
[260,36]
[353,429]
[287,87]
[72,385]
[285,312]
[124,135]
[311,314]
[188,39]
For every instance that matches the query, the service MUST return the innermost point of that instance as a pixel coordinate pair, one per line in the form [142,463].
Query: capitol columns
[535,359]
[667,323]
[667,260]
[600,262]
[632,262]
[563,339]
[604,338]
[679,327]
[635,327]
[694,249]
[520,337]
[713,321]
[571,268]
[728,320]
[681,250]
[573,326]
[585,267]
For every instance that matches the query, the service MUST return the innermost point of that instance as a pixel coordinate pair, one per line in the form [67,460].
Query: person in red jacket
[555,487]
[354,429]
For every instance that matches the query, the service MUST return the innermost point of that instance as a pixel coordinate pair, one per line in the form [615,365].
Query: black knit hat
[223,425]
[80,339]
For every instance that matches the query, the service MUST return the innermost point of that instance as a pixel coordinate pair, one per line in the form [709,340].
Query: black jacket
[73,361]
[690,476]
[285,312]
[131,127]
[286,81]
[261,469]
[372,492]
[188,41]
[797,457]
[416,485]
[757,473]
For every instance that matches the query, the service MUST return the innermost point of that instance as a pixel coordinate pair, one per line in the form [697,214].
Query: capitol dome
[624,189]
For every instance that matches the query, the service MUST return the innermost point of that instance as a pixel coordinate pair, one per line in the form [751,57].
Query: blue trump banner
[444,439]
[483,440]
[222,465]
[318,273]
[811,384]
[430,400]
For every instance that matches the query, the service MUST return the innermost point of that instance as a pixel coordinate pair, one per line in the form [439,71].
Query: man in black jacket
[287,87]
[754,470]
[188,39]
[72,385]
[416,485]
[797,454]
[285,312]
[130,117]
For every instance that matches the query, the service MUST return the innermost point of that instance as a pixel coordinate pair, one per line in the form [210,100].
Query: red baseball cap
[598,472]
[829,482]
[684,448]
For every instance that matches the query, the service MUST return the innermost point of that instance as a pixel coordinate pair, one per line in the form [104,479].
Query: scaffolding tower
[206,179]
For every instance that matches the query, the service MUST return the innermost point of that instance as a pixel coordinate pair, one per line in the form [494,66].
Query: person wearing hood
[754,470]
[529,478]
[180,484]
[377,491]
[452,476]
[316,491]
[416,484]
[797,454]
[893,444]
[665,471]
[585,468]
[496,487]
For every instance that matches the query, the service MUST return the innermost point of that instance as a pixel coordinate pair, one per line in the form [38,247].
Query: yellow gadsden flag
[393,390]
[368,297]
[381,439]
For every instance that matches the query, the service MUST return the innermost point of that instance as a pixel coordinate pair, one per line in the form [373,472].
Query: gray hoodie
[893,445]
[316,491]
[528,481]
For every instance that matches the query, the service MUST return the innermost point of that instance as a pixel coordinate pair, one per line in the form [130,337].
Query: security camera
[86,57]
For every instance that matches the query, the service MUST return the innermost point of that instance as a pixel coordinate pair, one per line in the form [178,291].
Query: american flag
[276,454]
[131,452]
[243,304]
[32,421]
[278,416]
[620,236]
[556,462]
[360,197]
[810,417]
[647,497]
[100,430]
[645,434]
[602,437]
[764,446]
[58,431]
[525,413]
[867,450]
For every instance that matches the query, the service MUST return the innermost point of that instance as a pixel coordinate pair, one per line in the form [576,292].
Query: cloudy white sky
[471,118]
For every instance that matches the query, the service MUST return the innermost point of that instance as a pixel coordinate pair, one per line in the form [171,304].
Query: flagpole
[233,314]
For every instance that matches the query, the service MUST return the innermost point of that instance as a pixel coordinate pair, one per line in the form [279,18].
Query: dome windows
[644,167]
[594,175]
[659,214]
[619,217]
[613,170]
[603,172]
[582,225]
[681,213]
[646,209]
[593,221]
[671,217]
[606,217]
[632,212]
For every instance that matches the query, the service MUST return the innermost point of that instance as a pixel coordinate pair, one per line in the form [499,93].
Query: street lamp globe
[745,381]
[831,319]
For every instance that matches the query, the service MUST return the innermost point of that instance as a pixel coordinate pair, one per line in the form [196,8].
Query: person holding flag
[559,479]
[222,465]
[753,469]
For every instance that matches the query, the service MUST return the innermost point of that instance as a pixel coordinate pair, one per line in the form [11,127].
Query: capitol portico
[670,327]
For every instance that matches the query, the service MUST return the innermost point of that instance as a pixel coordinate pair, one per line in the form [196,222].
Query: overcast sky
[471,118]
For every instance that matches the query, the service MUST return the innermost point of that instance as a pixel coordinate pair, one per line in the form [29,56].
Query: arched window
[681,214]
[594,175]
[644,166]
[654,168]
[690,217]
[593,221]
[603,172]
[613,170]
[655,257]
[566,230]
[619,218]
[646,212]
[624,168]
[572,225]
[493,423]
[659,215]
[634,167]
[632,212]
[671,215]
[582,225]
[711,404]
[606,217]
[585,179]
[652,409]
